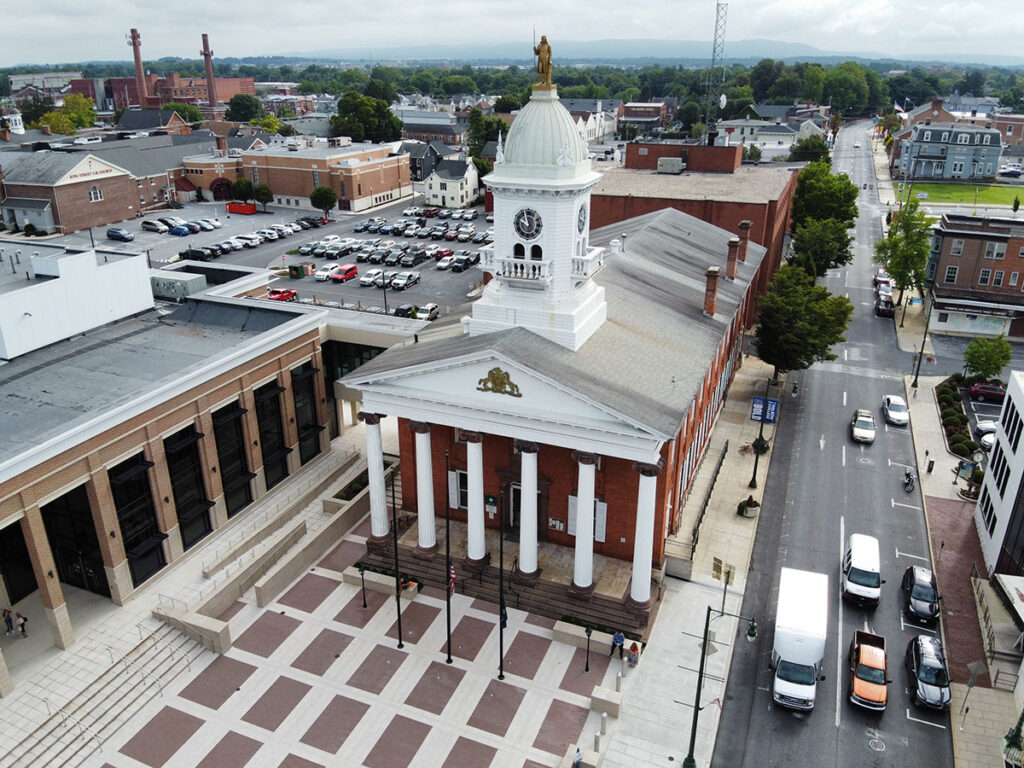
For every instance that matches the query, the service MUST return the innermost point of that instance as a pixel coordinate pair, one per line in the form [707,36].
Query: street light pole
[760,436]
[502,614]
[448,561]
[398,576]
[920,354]
[689,761]
[589,632]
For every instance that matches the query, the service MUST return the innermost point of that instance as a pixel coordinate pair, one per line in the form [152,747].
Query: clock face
[581,219]
[528,223]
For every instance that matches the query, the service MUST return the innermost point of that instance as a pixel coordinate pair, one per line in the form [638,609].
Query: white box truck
[800,632]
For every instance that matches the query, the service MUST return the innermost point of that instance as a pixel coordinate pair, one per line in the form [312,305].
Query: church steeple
[541,260]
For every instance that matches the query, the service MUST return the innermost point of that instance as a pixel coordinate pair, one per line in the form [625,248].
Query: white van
[862,571]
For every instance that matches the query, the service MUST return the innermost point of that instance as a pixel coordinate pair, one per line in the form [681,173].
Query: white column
[528,507]
[583,564]
[379,527]
[643,534]
[476,546]
[427,537]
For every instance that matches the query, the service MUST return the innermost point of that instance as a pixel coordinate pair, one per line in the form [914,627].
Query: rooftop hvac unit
[670,165]
[174,285]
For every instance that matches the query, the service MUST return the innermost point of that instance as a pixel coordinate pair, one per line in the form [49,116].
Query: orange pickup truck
[868,679]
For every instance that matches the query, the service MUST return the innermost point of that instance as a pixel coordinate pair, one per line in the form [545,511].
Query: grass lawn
[964,193]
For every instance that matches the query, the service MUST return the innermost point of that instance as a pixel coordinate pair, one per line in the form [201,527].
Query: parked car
[987,390]
[881,276]
[362,226]
[216,249]
[307,248]
[194,254]
[250,240]
[377,256]
[375,226]
[413,211]
[920,595]
[384,279]
[345,273]
[895,410]
[413,258]
[117,233]
[321,249]
[282,230]
[269,234]
[195,226]
[445,262]
[370,277]
[470,215]
[282,294]
[303,224]
[334,251]
[431,212]
[884,307]
[206,225]
[154,226]
[393,258]
[231,245]
[328,239]
[417,312]
[313,221]
[862,426]
[883,289]
[479,237]
[325,272]
[363,255]
[440,253]
[179,231]
[489,218]
[171,221]
[985,426]
[929,676]
[405,280]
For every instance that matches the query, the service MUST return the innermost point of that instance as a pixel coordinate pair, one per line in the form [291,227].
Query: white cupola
[541,261]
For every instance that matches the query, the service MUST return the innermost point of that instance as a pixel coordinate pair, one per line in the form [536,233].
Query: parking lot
[448,289]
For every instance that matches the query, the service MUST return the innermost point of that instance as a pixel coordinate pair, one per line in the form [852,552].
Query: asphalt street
[822,487]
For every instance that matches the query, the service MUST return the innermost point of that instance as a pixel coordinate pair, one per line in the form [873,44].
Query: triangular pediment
[91,168]
[493,388]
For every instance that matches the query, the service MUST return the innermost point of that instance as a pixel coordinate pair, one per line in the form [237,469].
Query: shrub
[41,233]
[957,397]
[961,449]
[971,445]
[950,429]
[949,413]
[978,477]
[964,421]
[956,378]
[30,229]
[951,421]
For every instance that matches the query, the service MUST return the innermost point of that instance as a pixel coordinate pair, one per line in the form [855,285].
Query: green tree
[689,113]
[812,148]
[822,244]
[57,122]
[847,87]
[904,251]
[380,89]
[820,194]
[35,107]
[483,128]
[751,153]
[363,118]
[79,110]
[268,123]
[507,103]
[988,357]
[814,82]
[799,322]
[323,199]
[242,108]
[425,82]
[1016,203]
[242,189]
[188,112]
[456,84]
[697,131]
[263,195]
[890,123]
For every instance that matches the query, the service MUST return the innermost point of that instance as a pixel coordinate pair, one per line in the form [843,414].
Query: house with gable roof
[453,184]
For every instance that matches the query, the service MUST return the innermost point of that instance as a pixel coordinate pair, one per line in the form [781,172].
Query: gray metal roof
[144,119]
[452,169]
[45,168]
[25,203]
[649,358]
[50,391]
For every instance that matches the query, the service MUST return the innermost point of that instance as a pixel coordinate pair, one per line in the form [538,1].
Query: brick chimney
[744,236]
[211,81]
[5,135]
[135,41]
[730,260]
[45,129]
[711,290]
[222,143]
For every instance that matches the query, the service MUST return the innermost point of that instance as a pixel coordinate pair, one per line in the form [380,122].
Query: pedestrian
[9,621]
[633,655]
[21,621]
[577,761]
[618,639]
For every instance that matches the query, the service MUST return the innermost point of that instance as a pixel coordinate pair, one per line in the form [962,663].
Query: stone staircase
[544,598]
[75,730]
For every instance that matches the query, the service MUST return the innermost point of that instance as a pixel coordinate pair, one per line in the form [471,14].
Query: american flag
[451,575]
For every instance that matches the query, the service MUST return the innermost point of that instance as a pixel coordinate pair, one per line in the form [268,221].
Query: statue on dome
[543,54]
[499,153]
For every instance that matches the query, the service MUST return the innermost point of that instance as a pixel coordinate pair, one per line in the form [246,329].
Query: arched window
[536,252]
[519,251]
[95,195]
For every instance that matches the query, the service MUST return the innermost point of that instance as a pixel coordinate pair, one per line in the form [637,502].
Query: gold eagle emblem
[498,381]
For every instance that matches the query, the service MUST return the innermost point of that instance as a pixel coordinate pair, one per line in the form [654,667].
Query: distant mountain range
[687,52]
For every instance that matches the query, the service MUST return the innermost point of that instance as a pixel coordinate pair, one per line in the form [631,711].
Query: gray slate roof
[39,167]
[649,358]
[144,119]
[416,149]
[452,169]
[25,203]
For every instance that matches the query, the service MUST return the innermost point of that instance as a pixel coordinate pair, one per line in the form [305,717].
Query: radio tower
[716,78]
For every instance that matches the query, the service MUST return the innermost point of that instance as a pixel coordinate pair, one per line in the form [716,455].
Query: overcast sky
[59,31]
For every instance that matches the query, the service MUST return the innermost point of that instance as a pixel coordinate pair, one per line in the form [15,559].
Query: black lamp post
[398,577]
[362,582]
[589,631]
[448,560]
[502,613]
[760,437]
[690,762]
[384,285]
[920,354]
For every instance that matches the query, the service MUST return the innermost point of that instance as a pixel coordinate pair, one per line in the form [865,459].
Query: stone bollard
[604,723]
[597,742]
[618,683]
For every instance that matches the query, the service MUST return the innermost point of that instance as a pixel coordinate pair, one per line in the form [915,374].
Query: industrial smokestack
[211,84]
[135,42]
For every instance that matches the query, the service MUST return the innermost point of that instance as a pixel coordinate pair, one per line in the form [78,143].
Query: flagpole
[448,560]
[502,617]
[398,577]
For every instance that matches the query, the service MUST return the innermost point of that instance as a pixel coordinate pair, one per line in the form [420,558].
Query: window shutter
[453,490]
[600,521]
[572,516]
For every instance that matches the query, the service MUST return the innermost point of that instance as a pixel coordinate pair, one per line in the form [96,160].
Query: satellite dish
[721,101]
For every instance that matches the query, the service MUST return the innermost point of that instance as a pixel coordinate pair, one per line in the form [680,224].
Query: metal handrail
[65,716]
[707,498]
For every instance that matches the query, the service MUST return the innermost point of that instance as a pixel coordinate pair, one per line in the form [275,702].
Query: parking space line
[907,554]
[907,625]
[924,722]
[908,506]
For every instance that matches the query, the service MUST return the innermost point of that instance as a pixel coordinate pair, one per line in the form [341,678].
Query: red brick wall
[72,211]
[698,158]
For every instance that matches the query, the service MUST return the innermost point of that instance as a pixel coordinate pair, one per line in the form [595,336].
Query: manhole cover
[877,744]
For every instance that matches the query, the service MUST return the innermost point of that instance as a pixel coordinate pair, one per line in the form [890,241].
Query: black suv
[884,307]
[929,678]
[117,233]
[920,595]
[413,258]
[195,254]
